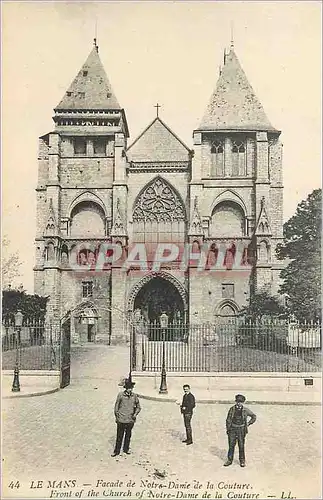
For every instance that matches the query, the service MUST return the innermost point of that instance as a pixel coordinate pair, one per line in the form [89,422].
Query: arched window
[50,252]
[230,256]
[227,220]
[248,256]
[238,158]
[87,220]
[263,252]
[196,247]
[159,214]
[212,256]
[227,310]
[64,255]
[217,159]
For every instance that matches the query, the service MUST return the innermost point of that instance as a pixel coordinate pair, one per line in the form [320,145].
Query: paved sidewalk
[146,390]
[226,397]
[30,385]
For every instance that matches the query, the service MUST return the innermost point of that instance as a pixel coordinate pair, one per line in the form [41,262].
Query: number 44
[13,484]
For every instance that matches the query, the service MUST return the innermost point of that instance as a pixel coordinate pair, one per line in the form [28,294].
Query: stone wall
[66,179]
[207,295]
[86,172]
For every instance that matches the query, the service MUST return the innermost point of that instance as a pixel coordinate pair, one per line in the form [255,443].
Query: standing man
[126,409]
[237,424]
[187,406]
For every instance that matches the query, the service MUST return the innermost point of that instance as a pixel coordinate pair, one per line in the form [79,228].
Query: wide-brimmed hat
[128,384]
[240,398]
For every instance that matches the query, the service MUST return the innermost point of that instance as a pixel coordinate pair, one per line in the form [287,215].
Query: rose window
[158,202]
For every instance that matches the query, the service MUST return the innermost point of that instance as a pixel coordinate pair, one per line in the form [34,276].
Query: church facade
[223,195]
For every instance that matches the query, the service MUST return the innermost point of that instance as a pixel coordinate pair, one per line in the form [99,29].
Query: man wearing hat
[238,420]
[126,409]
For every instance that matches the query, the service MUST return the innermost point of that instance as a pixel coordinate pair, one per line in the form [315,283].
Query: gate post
[65,358]
[132,352]
[74,335]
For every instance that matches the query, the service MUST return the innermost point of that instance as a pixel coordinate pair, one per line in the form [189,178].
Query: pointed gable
[234,104]
[118,228]
[51,228]
[90,88]
[158,143]
[263,224]
[196,228]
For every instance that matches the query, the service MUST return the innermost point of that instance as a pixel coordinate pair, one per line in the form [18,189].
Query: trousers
[237,434]
[123,431]
[188,427]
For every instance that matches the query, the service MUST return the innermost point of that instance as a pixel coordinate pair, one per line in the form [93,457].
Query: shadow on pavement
[176,434]
[222,454]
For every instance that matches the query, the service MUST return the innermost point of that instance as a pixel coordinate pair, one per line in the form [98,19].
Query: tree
[10,264]
[263,305]
[32,306]
[261,330]
[302,246]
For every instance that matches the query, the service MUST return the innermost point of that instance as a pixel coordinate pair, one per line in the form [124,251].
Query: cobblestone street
[70,435]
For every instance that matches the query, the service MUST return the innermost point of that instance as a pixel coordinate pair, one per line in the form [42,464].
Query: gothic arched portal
[159,295]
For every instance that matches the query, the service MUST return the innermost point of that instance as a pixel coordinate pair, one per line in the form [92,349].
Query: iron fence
[34,343]
[238,345]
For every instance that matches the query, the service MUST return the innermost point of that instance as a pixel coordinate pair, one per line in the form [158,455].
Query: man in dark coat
[126,409]
[238,420]
[187,406]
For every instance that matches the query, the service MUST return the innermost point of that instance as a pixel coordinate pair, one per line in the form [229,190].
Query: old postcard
[161,225]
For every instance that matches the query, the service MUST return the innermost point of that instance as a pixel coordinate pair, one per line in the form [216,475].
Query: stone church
[95,186]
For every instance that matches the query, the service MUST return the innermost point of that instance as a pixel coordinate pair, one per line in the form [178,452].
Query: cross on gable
[157,106]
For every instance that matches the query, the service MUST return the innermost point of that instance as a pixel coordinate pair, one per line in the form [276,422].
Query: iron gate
[234,346]
[65,375]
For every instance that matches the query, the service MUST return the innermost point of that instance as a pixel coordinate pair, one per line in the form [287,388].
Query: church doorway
[86,324]
[159,296]
[226,323]
[156,297]
[227,314]
[90,333]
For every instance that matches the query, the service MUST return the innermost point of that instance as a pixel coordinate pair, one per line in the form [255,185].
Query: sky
[165,52]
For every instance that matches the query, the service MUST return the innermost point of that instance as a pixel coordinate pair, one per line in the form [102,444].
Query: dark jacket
[188,403]
[245,414]
[126,408]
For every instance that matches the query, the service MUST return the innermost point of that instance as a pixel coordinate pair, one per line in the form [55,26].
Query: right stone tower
[237,186]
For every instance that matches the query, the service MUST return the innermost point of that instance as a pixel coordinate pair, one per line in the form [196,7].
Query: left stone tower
[81,165]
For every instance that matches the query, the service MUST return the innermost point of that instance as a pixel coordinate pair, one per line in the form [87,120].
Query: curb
[32,394]
[227,402]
